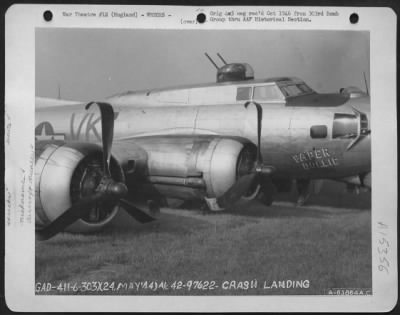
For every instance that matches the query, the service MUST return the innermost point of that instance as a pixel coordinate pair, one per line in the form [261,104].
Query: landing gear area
[265,192]
[303,189]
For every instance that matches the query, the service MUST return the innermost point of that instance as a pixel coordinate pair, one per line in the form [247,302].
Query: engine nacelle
[66,172]
[187,167]
[224,162]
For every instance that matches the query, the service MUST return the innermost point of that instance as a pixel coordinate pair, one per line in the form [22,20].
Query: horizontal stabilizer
[43,102]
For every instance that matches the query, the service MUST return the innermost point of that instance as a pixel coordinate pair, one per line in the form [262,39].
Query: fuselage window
[345,126]
[243,93]
[318,132]
[267,93]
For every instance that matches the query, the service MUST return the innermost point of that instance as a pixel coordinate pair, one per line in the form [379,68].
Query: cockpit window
[291,90]
[295,89]
[277,91]
[304,88]
[267,93]
[345,126]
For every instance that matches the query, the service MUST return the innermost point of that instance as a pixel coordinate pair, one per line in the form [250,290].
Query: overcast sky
[92,64]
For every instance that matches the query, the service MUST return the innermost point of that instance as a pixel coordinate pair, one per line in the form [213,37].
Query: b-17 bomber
[239,138]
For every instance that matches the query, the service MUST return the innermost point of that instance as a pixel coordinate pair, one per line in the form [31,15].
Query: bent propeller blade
[107,190]
[243,184]
[77,211]
[138,214]
[259,128]
[107,132]
[237,190]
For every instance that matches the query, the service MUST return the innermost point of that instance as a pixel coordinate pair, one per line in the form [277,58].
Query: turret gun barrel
[222,59]
[212,61]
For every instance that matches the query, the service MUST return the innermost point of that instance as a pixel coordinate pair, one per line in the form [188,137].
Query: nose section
[361,109]
[358,151]
[362,104]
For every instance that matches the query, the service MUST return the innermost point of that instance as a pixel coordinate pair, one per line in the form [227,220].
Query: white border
[20,23]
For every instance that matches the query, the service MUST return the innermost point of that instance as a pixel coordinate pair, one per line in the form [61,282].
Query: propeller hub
[111,188]
[117,189]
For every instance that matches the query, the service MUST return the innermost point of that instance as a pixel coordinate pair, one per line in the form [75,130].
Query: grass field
[329,247]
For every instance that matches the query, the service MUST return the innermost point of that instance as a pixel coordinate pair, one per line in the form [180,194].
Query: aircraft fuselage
[299,138]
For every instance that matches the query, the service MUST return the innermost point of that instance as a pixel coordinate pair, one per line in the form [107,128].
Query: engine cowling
[187,167]
[224,162]
[66,172]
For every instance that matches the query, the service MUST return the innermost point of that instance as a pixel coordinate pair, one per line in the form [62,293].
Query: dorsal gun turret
[235,72]
[232,71]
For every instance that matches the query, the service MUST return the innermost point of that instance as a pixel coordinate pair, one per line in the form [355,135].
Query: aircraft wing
[43,102]
[92,180]
[182,166]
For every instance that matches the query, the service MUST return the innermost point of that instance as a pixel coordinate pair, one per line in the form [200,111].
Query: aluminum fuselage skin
[164,130]
[286,143]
